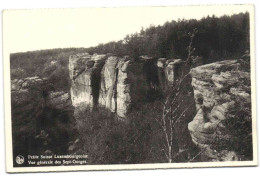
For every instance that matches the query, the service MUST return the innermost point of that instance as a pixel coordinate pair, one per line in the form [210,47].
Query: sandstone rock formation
[173,70]
[108,86]
[222,93]
[37,110]
[168,71]
[37,92]
[27,96]
[161,64]
[59,100]
[85,73]
[24,84]
[106,81]
[131,85]
[117,83]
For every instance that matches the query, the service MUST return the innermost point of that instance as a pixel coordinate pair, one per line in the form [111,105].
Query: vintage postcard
[129,88]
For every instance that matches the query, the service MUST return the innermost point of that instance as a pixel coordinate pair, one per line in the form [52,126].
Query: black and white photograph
[129,88]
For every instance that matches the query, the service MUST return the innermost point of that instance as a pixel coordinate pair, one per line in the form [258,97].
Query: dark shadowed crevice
[150,72]
[115,89]
[162,79]
[95,86]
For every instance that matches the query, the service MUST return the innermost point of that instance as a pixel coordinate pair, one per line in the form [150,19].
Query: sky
[28,30]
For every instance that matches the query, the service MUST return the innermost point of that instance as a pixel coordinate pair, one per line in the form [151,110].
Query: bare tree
[176,104]
[175,107]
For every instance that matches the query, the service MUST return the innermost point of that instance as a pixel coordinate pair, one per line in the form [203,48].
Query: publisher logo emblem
[19,159]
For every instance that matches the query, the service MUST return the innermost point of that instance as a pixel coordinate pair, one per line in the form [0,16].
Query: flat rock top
[217,66]
[205,72]
[82,55]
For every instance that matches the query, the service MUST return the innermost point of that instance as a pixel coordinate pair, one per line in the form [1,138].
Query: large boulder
[222,125]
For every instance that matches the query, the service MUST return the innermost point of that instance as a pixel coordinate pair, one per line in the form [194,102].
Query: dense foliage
[217,39]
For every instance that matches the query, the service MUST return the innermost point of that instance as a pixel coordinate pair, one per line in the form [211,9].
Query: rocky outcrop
[168,71]
[37,92]
[59,100]
[222,93]
[85,73]
[108,86]
[42,120]
[173,70]
[118,83]
[110,82]
[27,83]
[131,85]
[27,96]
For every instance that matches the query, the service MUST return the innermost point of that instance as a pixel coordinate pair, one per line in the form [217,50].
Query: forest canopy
[217,39]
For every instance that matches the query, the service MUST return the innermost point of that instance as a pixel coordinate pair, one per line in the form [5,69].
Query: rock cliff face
[168,71]
[122,84]
[85,73]
[117,83]
[107,81]
[108,87]
[221,127]
[131,85]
